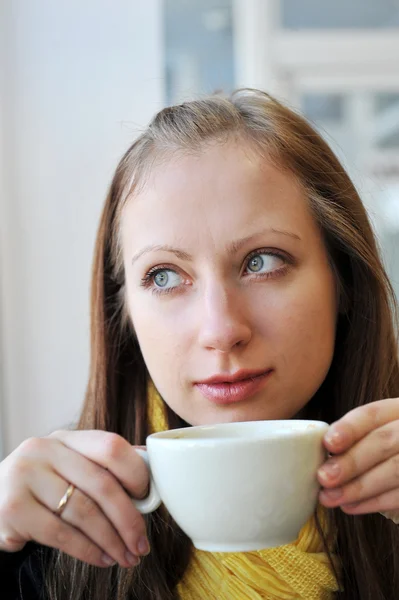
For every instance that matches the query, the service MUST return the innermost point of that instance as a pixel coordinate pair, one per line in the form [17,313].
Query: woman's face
[229,287]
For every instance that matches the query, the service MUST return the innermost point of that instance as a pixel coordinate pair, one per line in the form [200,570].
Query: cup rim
[307,427]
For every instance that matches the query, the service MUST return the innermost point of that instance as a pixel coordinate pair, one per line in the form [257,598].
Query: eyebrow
[232,248]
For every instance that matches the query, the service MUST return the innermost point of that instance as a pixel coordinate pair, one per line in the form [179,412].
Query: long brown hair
[364,368]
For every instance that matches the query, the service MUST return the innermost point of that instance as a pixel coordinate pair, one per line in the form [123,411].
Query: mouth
[229,389]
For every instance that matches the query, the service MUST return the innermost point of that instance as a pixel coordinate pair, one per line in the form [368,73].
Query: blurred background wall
[80,78]
[78,81]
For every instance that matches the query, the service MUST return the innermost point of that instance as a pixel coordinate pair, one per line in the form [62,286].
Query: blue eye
[166,279]
[264,263]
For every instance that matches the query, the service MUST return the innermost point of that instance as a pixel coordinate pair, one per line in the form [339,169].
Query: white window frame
[289,63]
[272,58]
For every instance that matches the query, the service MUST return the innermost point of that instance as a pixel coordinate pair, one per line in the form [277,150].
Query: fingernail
[334,494]
[334,437]
[329,470]
[131,559]
[143,546]
[107,560]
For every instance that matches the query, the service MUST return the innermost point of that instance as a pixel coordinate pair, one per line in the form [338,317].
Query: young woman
[233,247]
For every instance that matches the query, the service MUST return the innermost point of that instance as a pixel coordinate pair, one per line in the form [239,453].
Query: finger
[10,540]
[382,478]
[360,421]
[82,513]
[112,452]
[97,483]
[378,446]
[101,485]
[39,524]
[387,502]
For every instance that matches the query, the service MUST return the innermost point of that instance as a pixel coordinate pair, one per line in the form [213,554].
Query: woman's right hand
[99,524]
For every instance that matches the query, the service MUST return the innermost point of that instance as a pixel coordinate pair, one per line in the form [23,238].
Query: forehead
[224,167]
[224,188]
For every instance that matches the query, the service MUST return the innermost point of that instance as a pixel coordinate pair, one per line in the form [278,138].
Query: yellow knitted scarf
[300,570]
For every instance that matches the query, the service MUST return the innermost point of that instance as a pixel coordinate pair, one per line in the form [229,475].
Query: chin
[235,415]
[255,409]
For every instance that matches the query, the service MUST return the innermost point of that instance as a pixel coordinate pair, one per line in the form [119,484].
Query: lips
[231,388]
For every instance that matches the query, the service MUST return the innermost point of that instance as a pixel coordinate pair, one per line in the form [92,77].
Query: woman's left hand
[363,475]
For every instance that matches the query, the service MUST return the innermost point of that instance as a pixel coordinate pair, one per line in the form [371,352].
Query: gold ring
[64,500]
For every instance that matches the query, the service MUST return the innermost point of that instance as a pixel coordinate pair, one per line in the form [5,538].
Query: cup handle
[153,500]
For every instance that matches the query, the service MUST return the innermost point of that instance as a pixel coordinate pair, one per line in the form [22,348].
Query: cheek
[303,322]
[158,337]
[312,333]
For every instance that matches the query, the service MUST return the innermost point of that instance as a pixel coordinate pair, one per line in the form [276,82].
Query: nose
[224,321]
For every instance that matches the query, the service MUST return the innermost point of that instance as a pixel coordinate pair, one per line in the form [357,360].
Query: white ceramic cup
[237,487]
